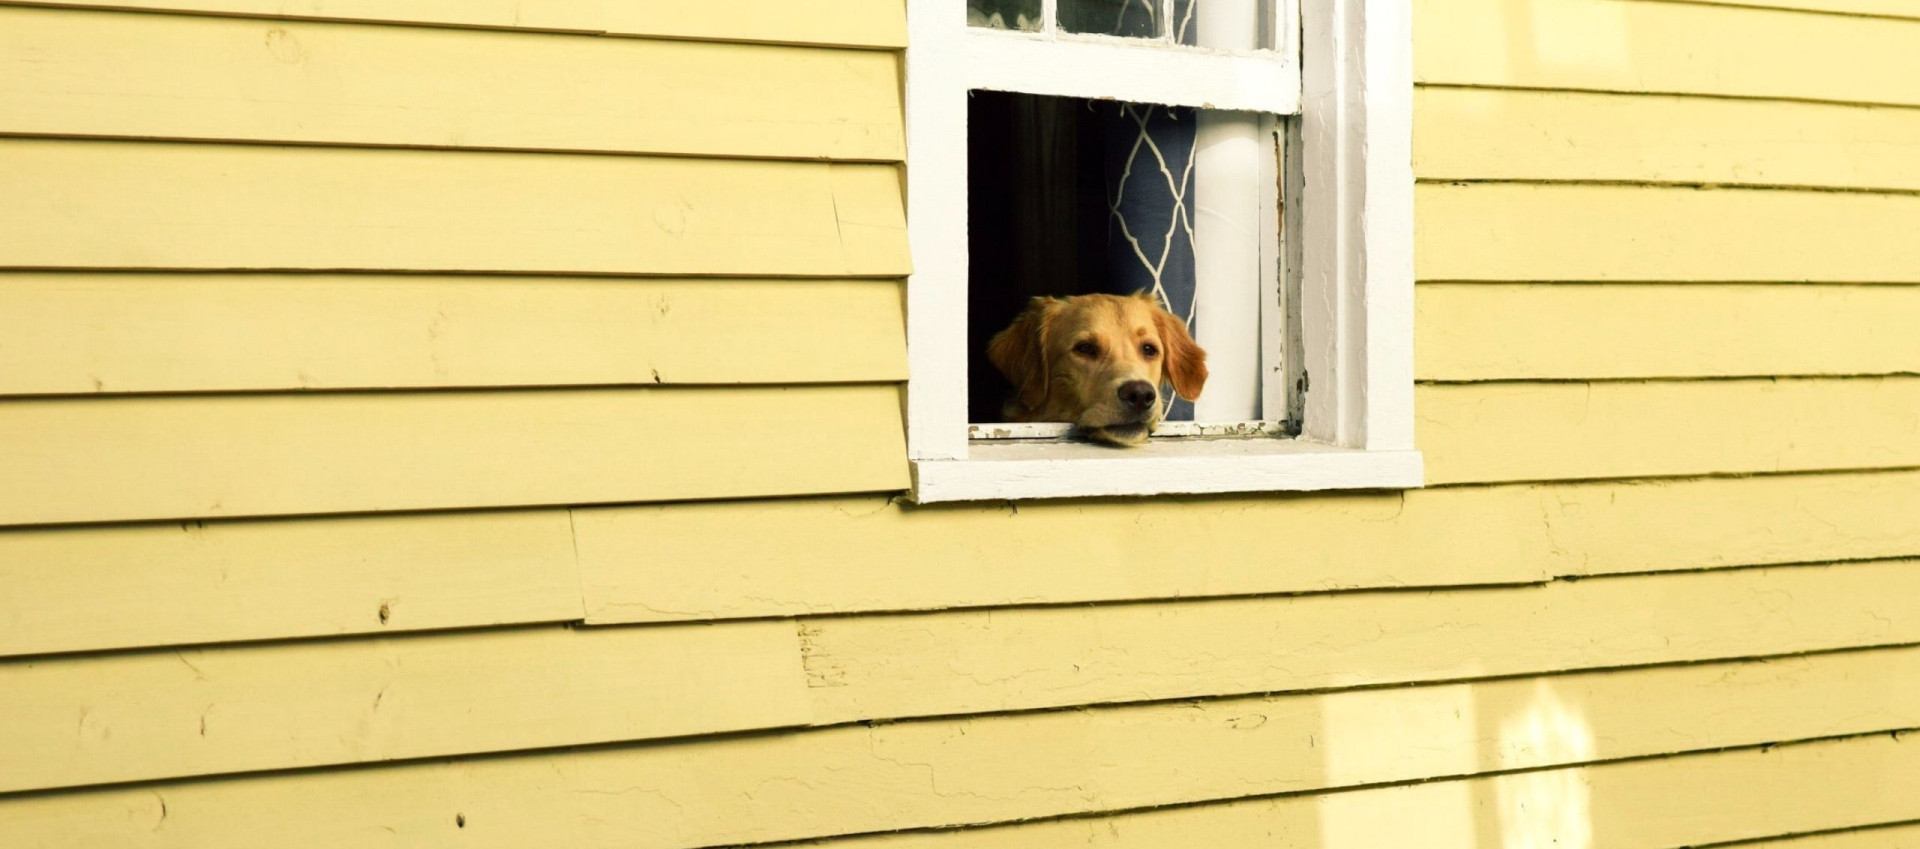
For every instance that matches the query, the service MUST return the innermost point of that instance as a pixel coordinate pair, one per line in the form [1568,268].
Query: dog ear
[1186,360]
[1020,351]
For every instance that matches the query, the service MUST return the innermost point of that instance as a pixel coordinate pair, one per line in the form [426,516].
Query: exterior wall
[477,424]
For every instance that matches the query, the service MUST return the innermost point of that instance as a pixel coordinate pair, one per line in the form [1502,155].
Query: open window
[1062,147]
[1069,196]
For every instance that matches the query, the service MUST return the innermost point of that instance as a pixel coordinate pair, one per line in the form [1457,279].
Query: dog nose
[1138,394]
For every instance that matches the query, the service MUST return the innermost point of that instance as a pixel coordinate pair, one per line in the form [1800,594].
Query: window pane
[1127,18]
[1231,24]
[1183,15]
[1023,15]
[1071,197]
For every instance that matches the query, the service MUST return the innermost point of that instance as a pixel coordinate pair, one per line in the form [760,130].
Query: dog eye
[1087,349]
[1149,350]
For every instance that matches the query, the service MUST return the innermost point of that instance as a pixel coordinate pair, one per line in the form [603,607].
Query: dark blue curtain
[1149,162]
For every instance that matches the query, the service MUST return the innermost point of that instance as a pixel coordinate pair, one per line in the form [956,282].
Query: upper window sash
[1137,70]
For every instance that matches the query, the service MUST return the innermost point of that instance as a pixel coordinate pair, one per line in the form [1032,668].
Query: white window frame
[1352,85]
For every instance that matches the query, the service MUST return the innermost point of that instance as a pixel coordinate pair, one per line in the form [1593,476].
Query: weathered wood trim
[999,472]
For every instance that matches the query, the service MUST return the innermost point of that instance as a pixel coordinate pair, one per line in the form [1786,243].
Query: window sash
[1133,70]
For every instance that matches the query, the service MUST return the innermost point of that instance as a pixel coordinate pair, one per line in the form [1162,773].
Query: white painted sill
[996,471]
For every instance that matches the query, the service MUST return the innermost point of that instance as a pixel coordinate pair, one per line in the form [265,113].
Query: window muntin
[1217,24]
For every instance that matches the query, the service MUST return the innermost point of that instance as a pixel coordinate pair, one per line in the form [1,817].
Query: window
[1279,141]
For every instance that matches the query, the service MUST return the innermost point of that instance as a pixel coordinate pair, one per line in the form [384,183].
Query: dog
[1097,361]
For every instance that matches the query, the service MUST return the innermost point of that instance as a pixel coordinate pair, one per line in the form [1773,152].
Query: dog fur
[1085,359]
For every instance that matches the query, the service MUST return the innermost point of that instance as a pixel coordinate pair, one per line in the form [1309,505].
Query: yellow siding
[602,302]
[157,206]
[1482,433]
[246,455]
[87,73]
[1660,47]
[1672,802]
[1505,134]
[1905,836]
[970,662]
[182,713]
[790,557]
[990,769]
[1887,8]
[866,23]
[1468,332]
[869,23]
[88,588]
[843,555]
[120,333]
[575,15]
[1600,233]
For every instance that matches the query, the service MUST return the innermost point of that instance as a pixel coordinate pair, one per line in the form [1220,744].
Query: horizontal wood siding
[1896,836]
[1507,232]
[1683,801]
[85,334]
[88,73]
[1482,134]
[178,713]
[1656,48]
[1471,332]
[996,769]
[863,23]
[969,662]
[1543,431]
[179,206]
[92,460]
[602,302]
[750,559]
[129,586]
[843,555]
[1881,8]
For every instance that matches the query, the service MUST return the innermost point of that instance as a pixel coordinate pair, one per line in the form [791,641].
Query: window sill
[1164,467]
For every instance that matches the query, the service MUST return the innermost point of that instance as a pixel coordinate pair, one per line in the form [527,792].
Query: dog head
[1097,361]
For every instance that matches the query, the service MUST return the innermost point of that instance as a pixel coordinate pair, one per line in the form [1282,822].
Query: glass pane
[1023,15]
[1230,24]
[1126,18]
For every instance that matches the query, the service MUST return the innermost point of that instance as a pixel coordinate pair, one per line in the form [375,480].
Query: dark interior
[1036,216]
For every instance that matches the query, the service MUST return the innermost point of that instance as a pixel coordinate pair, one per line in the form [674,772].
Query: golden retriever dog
[1097,361]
